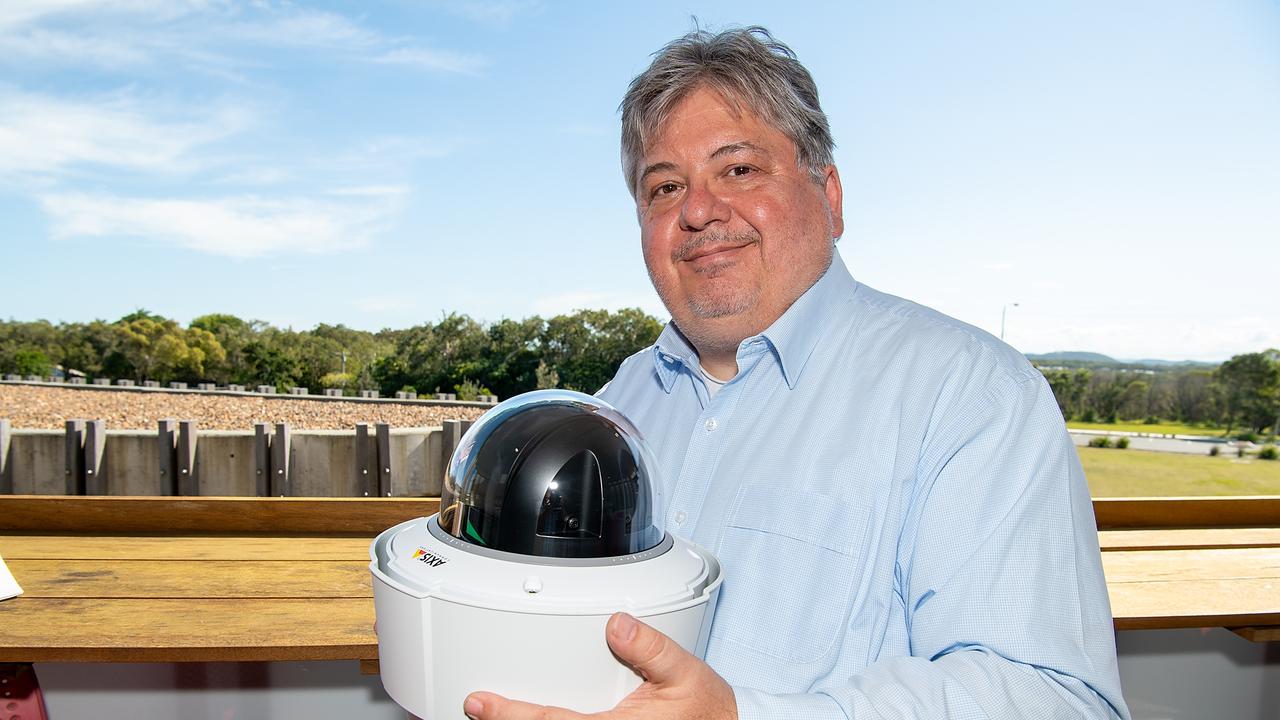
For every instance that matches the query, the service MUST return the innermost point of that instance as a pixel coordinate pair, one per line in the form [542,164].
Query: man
[903,523]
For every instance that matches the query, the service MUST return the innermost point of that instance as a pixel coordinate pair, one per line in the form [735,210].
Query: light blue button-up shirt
[903,523]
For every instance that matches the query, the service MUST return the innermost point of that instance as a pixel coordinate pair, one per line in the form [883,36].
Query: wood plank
[166,630]
[238,515]
[1186,512]
[186,547]
[232,547]
[372,515]
[248,547]
[1253,634]
[1195,603]
[1185,539]
[213,579]
[1177,565]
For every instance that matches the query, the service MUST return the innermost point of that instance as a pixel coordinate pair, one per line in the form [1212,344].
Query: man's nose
[701,208]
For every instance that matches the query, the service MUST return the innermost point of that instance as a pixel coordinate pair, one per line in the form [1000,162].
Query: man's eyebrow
[737,147]
[723,150]
[654,168]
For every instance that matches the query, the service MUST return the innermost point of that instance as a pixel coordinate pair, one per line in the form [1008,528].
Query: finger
[487,706]
[655,656]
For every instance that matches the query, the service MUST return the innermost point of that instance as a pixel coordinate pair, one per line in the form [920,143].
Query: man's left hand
[676,685]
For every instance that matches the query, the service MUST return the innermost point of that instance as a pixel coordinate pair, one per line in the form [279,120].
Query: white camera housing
[458,611]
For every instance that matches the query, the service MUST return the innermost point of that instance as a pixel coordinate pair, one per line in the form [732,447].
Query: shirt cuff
[757,705]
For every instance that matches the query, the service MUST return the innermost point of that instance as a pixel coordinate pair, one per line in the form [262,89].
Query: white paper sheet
[8,586]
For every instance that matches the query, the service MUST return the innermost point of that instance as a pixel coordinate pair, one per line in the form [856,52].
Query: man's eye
[665,189]
[740,170]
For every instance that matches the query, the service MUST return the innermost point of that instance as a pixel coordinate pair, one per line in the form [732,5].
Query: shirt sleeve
[998,575]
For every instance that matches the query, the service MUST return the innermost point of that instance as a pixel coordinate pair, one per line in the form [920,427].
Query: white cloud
[67,47]
[239,227]
[437,60]
[205,35]
[15,13]
[255,176]
[1176,336]
[42,134]
[292,26]
[371,191]
[22,13]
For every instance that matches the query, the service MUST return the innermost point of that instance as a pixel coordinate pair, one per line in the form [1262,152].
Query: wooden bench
[111,579]
[162,579]
[1193,562]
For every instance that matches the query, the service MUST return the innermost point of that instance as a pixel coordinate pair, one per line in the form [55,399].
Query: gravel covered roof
[35,406]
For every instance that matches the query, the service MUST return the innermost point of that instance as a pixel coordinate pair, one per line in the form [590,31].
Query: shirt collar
[671,352]
[792,337]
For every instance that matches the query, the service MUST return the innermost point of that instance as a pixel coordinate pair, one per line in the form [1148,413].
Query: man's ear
[835,199]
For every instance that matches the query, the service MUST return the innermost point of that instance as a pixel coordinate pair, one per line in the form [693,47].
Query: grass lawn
[1128,473]
[1158,428]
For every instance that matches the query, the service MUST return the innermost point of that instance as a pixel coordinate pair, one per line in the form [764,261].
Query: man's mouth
[713,254]
[705,251]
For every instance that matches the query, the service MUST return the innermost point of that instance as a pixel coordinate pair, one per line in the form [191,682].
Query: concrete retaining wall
[36,462]
[225,464]
[321,463]
[130,463]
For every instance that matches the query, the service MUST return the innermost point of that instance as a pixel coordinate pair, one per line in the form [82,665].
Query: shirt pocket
[790,560]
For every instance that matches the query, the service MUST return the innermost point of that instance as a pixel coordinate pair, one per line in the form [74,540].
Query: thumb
[656,657]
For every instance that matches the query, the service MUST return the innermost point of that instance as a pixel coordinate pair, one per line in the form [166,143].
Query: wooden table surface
[109,579]
[137,599]
[275,587]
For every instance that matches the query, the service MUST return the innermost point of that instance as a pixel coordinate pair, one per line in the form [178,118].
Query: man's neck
[721,366]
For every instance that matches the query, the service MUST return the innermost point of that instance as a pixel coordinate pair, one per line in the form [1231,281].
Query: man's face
[733,230]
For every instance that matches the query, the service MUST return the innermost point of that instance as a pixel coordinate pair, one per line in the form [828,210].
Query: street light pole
[1003,312]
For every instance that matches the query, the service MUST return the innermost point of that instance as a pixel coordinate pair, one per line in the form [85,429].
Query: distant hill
[1075,356]
[1171,363]
[1079,358]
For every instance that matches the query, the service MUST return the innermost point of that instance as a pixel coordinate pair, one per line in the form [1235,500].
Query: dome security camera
[547,526]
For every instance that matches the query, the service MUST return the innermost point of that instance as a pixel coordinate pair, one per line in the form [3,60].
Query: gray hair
[751,70]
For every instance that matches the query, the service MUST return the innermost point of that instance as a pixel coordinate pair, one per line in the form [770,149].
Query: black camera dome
[555,474]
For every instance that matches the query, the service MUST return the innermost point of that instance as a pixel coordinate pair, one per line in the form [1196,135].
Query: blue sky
[1113,167]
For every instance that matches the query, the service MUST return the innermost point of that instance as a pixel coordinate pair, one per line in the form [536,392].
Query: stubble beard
[713,302]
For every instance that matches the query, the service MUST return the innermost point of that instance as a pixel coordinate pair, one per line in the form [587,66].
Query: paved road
[1157,444]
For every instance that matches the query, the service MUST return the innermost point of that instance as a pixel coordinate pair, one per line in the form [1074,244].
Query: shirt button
[711,425]
[680,517]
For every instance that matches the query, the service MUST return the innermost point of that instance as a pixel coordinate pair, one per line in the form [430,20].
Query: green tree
[30,361]
[203,353]
[29,348]
[580,350]
[431,357]
[234,336]
[1193,396]
[546,377]
[140,343]
[1104,396]
[586,347]
[86,347]
[1134,400]
[1250,386]
[273,363]
[1069,389]
[512,358]
[160,349]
